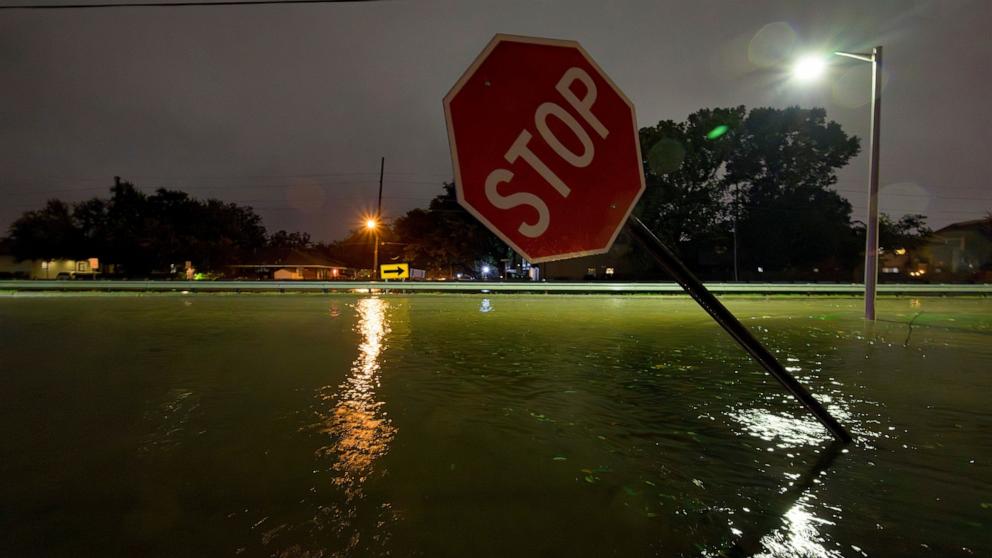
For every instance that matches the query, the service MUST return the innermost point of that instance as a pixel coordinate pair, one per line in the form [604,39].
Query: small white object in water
[486,306]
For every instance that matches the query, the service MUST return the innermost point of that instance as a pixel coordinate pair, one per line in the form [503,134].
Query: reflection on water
[800,536]
[361,433]
[798,531]
[788,431]
[172,418]
[357,426]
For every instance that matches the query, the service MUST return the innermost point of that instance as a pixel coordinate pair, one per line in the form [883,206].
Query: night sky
[289,108]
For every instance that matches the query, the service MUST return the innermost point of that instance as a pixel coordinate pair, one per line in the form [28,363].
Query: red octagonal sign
[544,147]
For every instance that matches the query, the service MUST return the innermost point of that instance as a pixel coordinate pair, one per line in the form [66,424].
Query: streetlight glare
[370,224]
[809,68]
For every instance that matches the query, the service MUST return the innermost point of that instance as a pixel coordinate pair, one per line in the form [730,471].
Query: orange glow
[370,224]
[359,431]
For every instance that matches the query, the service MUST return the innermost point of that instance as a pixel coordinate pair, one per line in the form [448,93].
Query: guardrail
[485,286]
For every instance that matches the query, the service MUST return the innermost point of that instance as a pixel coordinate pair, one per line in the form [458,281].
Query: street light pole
[871,227]
[378,221]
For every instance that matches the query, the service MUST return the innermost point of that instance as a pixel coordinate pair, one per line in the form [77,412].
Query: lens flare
[717,132]
[809,68]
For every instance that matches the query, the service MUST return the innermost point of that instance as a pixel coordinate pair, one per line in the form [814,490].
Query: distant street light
[372,225]
[809,68]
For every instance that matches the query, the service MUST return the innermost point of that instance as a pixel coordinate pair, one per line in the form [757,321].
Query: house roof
[973,225]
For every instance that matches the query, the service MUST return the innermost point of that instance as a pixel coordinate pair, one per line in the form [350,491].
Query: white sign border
[496,40]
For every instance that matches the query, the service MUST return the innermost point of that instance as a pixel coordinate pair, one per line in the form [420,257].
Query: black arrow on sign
[393,271]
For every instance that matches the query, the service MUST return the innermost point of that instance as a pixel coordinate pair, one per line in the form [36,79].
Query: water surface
[419,425]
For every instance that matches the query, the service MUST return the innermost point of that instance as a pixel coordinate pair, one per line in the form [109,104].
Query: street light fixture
[807,69]
[372,225]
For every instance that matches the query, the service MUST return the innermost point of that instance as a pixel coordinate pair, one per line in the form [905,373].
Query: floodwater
[422,425]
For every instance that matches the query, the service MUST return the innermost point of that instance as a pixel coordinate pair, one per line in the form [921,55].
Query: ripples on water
[422,426]
[357,427]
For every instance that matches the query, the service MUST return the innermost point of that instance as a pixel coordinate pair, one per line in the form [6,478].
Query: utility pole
[737,218]
[378,223]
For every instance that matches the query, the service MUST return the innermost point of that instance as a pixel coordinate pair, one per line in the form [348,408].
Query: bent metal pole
[671,263]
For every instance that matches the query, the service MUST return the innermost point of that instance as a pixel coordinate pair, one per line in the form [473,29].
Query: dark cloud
[288,108]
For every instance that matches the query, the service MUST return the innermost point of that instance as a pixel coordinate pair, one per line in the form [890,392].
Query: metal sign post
[671,263]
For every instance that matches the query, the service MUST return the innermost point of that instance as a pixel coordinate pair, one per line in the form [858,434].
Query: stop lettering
[544,148]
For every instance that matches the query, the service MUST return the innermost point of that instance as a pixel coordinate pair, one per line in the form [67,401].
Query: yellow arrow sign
[394,271]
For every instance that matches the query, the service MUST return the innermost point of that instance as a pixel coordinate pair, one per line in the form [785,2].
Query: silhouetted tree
[139,233]
[685,202]
[909,231]
[768,172]
[282,243]
[785,162]
[48,233]
[445,238]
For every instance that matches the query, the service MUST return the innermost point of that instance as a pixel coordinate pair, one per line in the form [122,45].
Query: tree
[282,244]
[139,233]
[285,240]
[909,232]
[445,238]
[46,234]
[356,250]
[784,162]
[766,173]
[685,199]
[225,233]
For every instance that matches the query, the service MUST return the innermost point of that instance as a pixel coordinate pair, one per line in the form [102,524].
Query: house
[899,264]
[294,265]
[960,252]
[10,268]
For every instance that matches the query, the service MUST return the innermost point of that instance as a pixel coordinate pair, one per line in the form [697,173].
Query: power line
[407,177]
[178,4]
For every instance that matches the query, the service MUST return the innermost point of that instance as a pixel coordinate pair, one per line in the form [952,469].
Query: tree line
[732,190]
[757,183]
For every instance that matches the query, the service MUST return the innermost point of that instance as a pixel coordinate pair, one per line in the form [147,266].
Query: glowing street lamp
[372,225]
[809,68]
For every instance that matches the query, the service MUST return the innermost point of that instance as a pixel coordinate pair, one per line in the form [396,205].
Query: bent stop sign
[544,148]
[546,154]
